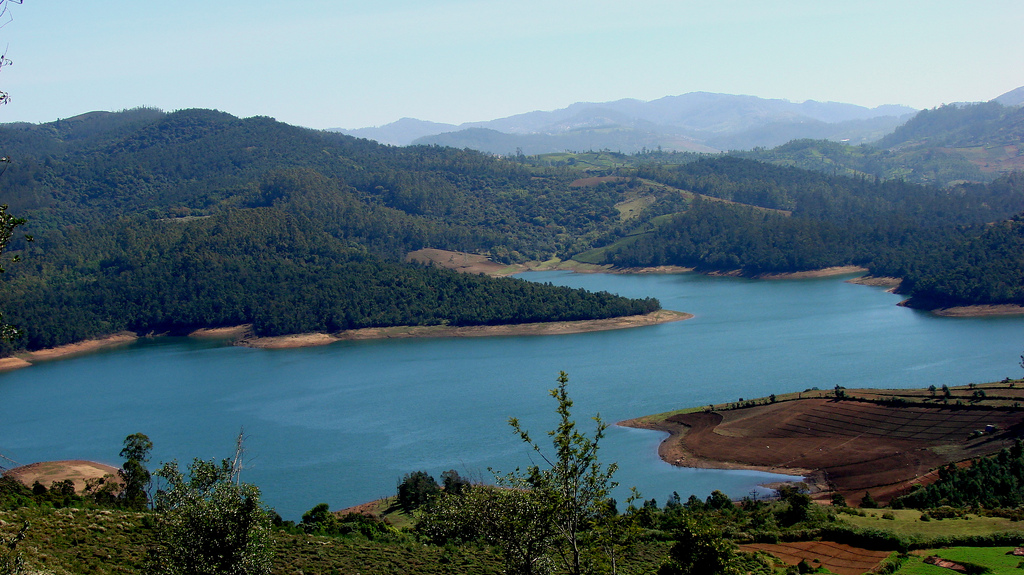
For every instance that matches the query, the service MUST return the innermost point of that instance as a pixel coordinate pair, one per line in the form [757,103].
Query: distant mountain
[400,133]
[1012,98]
[960,126]
[698,121]
[953,143]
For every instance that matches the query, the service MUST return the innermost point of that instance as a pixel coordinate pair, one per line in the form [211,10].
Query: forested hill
[161,222]
[943,146]
[955,246]
[167,222]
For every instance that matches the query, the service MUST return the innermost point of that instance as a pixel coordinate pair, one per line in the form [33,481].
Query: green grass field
[908,522]
[994,558]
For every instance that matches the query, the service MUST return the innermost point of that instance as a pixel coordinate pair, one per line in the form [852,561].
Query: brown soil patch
[979,310]
[46,472]
[545,328]
[290,341]
[589,182]
[822,273]
[461,262]
[230,332]
[856,446]
[836,557]
[877,281]
[86,346]
[9,363]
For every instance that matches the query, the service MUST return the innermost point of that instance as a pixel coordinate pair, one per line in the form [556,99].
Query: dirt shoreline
[87,346]
[242,335]
[545,328]
[672,451]
[863,441]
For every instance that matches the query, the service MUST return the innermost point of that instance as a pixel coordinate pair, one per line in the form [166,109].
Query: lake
[343,423]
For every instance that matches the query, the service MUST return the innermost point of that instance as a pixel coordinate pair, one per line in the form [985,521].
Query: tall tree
[574,485]
[211,523]
[133,472]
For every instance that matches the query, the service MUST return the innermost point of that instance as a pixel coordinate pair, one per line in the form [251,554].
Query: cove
[342,423]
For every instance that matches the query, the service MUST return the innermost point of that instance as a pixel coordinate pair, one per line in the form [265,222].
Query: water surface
[342,423]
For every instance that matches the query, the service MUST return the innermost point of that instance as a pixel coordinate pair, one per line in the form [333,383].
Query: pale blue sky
[349,64]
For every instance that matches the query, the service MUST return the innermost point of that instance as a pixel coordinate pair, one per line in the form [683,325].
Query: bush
[210,523]
[417,489]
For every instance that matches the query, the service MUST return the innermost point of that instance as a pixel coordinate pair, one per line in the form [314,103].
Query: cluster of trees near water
[158,222]
[988,482]
[950,246]
[276,271]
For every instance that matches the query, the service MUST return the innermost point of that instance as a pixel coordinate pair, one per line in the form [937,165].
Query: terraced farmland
[854,445]
[836,557]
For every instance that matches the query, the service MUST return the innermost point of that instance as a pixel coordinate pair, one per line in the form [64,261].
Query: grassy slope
[995,558]
[111,541]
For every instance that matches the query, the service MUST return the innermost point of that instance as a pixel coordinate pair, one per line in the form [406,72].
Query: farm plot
[836,557]
[858,446]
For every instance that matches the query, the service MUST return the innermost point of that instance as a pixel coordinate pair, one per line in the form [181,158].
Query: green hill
[167,222]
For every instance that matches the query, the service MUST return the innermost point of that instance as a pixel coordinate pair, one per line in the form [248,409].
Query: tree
[210,522]
[319,520]
[416,489]
[133,472]
[8,223]
[574,486]
[699,550]
[515,520]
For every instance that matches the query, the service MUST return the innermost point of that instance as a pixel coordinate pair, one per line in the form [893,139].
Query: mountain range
[697,121]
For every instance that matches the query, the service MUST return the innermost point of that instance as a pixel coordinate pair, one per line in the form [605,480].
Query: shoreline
[437,331]
[989,310]
[671,451]
[27,359]
[242,335]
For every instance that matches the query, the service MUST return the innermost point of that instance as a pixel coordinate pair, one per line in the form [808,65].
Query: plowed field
[856,446]
[837,557]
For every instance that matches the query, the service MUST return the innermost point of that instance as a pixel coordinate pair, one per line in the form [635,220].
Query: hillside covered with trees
[166,222]
[950,246]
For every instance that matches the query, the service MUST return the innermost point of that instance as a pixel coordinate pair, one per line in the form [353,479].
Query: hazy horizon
[340,65]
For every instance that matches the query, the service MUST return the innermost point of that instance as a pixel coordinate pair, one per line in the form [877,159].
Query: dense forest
[165,222]
[950,246]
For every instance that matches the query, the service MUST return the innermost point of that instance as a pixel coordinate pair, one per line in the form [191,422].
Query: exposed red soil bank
[854,446]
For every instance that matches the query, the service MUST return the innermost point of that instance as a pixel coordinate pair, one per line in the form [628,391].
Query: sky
[351,64]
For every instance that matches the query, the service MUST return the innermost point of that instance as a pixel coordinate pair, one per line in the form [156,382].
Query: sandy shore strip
[9,363]
[877,281]
[979,310]
[545,328]
[230,332]
[87,346]
[810,274]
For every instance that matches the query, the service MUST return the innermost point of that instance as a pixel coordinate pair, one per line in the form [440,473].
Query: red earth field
[852,446]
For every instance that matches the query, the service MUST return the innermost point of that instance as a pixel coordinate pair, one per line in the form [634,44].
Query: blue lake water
[341,424]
